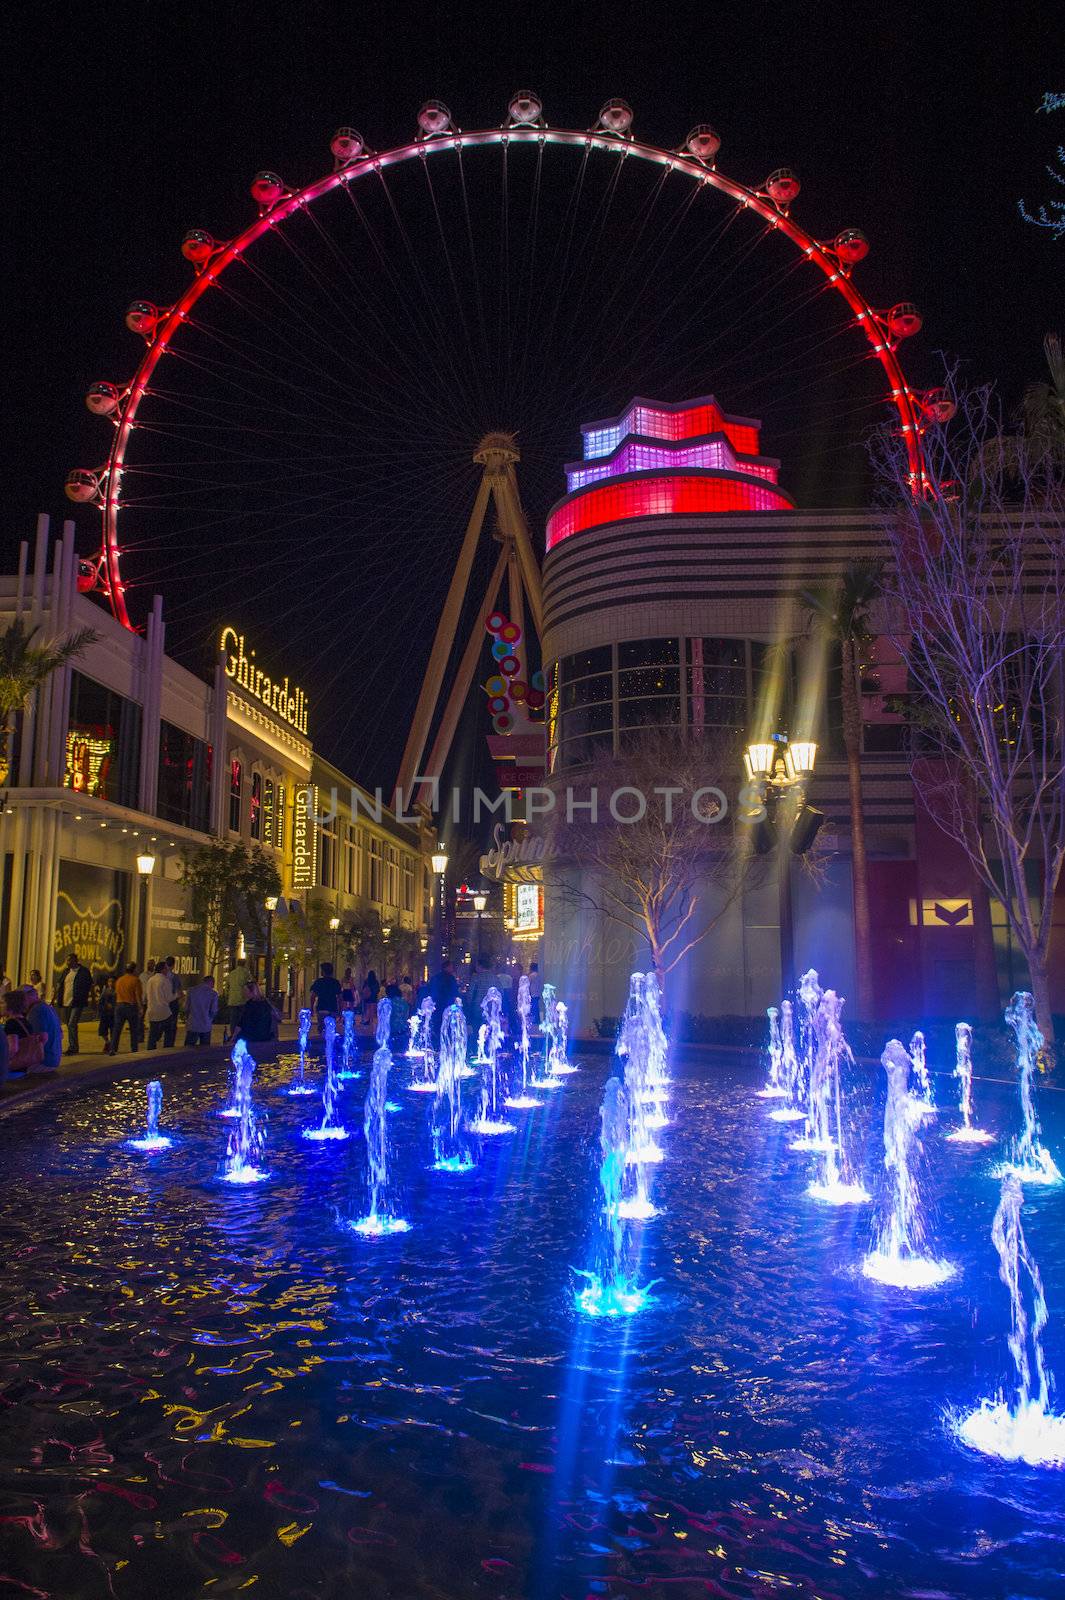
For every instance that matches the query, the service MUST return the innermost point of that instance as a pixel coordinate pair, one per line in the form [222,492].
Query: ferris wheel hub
[497,450]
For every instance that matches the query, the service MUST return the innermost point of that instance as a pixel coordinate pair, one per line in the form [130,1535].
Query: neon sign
[304,837]
[288,704]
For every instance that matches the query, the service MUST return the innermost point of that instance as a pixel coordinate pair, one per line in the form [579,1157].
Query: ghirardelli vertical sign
[304,839]
[91,915]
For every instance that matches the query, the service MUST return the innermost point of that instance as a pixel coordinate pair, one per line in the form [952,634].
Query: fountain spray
[790,1070]
[153,1139]
[925,1099]
[244,1148]
[329,1127]
[450,1151]
[1026,1430]
[836,1182]
[421,1026]
[299,1084]
[348,1049]
[900,1254]
[963,1071]
[774,1085]
[379,1220]
[488,1120]
[611,1292]
[1029,1159]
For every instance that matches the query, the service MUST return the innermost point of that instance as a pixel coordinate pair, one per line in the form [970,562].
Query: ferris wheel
[306,353]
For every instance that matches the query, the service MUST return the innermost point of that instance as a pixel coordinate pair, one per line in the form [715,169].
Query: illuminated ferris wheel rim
[696,160]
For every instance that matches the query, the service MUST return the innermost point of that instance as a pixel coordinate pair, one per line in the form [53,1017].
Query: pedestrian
[42,1019]
[236,979]
[257,1021]
[201,1008]
[483,979]
[325,994]
[443,992]
[371,988]
[71,995]
[157,992]
[176,991]
[399,1033]
[129,1000]
[347,990]
[35,980]
[406,989]
[25,1049]
[105,1010]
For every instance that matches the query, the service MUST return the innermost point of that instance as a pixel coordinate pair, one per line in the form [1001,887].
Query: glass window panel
[586,691]
[184,788]
[650,712]
[649,653]
[585,663]
[647,681]
[103,743]
[579,752]
[586,719]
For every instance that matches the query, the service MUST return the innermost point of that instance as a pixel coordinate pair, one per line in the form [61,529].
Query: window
[327,854]
[360,861]
[279,825]
[184,791]
[103,743]
[376,869]
[268,811]
[236,782]
[408,883]
[347,882]
[392,876]
[717,684]
[255,809]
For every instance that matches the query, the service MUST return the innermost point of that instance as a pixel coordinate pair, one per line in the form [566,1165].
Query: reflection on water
[210,1390]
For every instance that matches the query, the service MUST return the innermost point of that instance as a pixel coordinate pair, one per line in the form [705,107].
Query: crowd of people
[153,1002]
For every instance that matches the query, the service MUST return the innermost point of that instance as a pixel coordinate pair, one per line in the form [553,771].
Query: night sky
[128,124]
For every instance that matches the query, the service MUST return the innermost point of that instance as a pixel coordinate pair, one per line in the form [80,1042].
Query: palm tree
[841,611]
[24,666]
[1040,441]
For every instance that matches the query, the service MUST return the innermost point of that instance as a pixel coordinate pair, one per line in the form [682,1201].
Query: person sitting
[201,1008]
[41,1019]
[257,1019]
[22,1056]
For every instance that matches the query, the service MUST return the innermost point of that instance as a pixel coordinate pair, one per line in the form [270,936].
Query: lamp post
[334,928]
[439,865]
[386,934]
[145,868]
[480,900]
[271,907]
[780,769]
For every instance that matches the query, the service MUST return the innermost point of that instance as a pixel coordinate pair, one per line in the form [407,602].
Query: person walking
[72,991]
[201,1008]
[325,994]
[443,992]
[129,1000]
[258,1020]
[176,991]
[158,994]
[105,1010]
[237,979]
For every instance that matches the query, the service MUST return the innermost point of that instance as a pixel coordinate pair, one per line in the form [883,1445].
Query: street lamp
[145,867]
[271,907]
[479,902]
[334,928]
[439,865]
[780,769]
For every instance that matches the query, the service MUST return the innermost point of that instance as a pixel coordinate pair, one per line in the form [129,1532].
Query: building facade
[125,754]
[673,597]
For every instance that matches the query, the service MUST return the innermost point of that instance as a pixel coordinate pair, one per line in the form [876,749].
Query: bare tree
[659,854]
[977,600]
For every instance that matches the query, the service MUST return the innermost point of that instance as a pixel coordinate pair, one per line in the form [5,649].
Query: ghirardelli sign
[90,917]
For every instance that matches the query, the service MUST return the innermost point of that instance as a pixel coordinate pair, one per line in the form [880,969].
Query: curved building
[675,563]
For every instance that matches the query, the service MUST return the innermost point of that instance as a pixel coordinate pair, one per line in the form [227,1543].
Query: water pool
[210,1390]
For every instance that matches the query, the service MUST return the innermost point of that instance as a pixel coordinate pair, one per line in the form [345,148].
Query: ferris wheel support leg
[512,520]
[442,643]
[517,605]
[460,687]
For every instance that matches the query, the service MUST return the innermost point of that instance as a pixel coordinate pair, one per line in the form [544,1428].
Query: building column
[151,704]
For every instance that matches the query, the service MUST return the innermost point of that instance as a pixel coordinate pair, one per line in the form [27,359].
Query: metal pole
[269,952]
[787,931]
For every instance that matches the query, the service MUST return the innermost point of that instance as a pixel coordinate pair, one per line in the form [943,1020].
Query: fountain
[657,1048]
[546,1079]
[611,1292]
[963,1071]
[774,1085]
[925,1100]
[244,1147]
[558,1066]
[299,1085]
[349,1050]
[421,1049]
[900,1255]
[379,1220]
[329,1128]
[635,1048]
[523,1101]
[450,1153]
[1026,1431]
[790,1070]
[836,1184]
[488,1120]
[1029,1159]
[153,1139]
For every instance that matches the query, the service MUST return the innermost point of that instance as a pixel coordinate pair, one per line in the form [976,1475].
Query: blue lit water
[217,1391]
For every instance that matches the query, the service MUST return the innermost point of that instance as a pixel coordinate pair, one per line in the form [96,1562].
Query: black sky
[127,124]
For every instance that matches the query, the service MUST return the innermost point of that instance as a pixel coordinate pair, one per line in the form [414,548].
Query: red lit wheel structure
[215,264]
